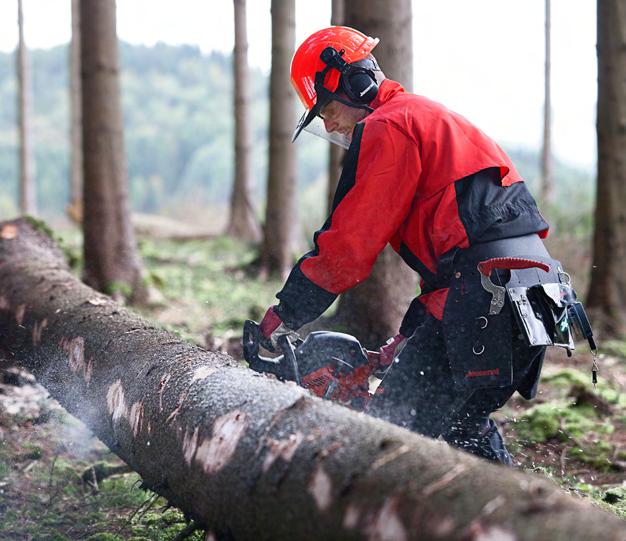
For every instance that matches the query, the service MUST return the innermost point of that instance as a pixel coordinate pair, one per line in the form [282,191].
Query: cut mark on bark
[179,405]
[190,446]
[75,349]
[389,457]
[493,505]
[8,232]
[4,304]
[164,379]
[445,480]
[494,533]
[387,525]
[215,453]
[443,528]
[136,417]
[20,311]
[320,488]
[284,449]
[116,403]
[202,372]
[97,301]
[351,517]
[38,329]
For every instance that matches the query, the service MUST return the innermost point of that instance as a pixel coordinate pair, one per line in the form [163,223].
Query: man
[446,197]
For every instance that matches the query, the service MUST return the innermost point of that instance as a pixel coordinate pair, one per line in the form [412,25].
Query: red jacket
[399,186]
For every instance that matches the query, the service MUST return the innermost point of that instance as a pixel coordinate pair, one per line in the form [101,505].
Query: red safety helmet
[319,62]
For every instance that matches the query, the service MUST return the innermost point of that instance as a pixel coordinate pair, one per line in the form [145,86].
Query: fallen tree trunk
[245,455]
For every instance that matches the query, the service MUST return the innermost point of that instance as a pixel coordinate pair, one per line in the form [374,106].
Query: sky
[481,58]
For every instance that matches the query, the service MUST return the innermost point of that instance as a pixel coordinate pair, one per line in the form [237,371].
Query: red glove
[390,351]
[272,327]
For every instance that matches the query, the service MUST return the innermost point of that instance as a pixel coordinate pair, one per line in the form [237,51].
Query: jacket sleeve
[375,193]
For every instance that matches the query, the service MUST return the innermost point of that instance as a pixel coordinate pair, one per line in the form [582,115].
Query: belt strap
[526,245]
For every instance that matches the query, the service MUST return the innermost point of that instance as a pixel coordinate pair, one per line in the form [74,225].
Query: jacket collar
[387,90]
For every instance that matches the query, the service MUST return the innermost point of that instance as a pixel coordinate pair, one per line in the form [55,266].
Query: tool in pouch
[331,365]
[544,303]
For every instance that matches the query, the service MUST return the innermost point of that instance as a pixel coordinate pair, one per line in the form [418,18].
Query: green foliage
[178,129]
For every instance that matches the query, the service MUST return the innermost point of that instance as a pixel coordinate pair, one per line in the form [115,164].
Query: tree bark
[111,260]
[280,216]
[75,206]
[607,291]
[245,455]
[27,187]
[335,153]
[374,309]
[547,182]
[242,223]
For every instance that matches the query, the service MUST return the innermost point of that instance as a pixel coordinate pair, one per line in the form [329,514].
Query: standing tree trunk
[27,186]
[336,153]
[280,216]
[547,182]
[75,207]
[242,223]
[607,291]
[373,310]
[111,260]
[247,456]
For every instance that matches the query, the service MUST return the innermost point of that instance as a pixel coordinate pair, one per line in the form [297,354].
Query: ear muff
[359,85]
[357,82]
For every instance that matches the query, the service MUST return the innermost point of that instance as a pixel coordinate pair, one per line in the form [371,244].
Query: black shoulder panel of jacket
[301,300]
[490,211]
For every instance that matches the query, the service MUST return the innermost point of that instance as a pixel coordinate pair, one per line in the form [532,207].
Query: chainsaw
[332,365]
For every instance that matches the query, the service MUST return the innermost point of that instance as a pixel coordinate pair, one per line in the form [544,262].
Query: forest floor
[52,469]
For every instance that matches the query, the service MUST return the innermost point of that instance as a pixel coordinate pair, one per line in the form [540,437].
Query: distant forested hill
[178,130]
[178,127]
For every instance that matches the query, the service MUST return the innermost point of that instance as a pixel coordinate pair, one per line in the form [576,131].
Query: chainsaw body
[331,365]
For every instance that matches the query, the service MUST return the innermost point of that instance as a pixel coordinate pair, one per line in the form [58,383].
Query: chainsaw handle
[284,367]
[250,341]
[485,267]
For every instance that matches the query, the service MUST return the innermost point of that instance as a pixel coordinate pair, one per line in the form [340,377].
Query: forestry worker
[445,196]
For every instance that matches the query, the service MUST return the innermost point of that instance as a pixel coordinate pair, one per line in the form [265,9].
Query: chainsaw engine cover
[334,366]
[324,348]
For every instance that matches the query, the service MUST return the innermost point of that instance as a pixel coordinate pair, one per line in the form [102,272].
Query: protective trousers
[419,393]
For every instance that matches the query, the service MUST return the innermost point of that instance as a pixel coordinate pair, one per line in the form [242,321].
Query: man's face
[341,118]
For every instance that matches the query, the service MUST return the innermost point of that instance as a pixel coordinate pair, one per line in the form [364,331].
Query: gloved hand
[272,327]
[390,350]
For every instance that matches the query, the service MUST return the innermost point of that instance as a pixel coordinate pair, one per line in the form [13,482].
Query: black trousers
[419,393]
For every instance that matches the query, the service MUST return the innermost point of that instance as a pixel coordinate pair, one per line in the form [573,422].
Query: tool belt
[501,292]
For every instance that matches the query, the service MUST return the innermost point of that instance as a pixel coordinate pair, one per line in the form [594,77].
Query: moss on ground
[206,285]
